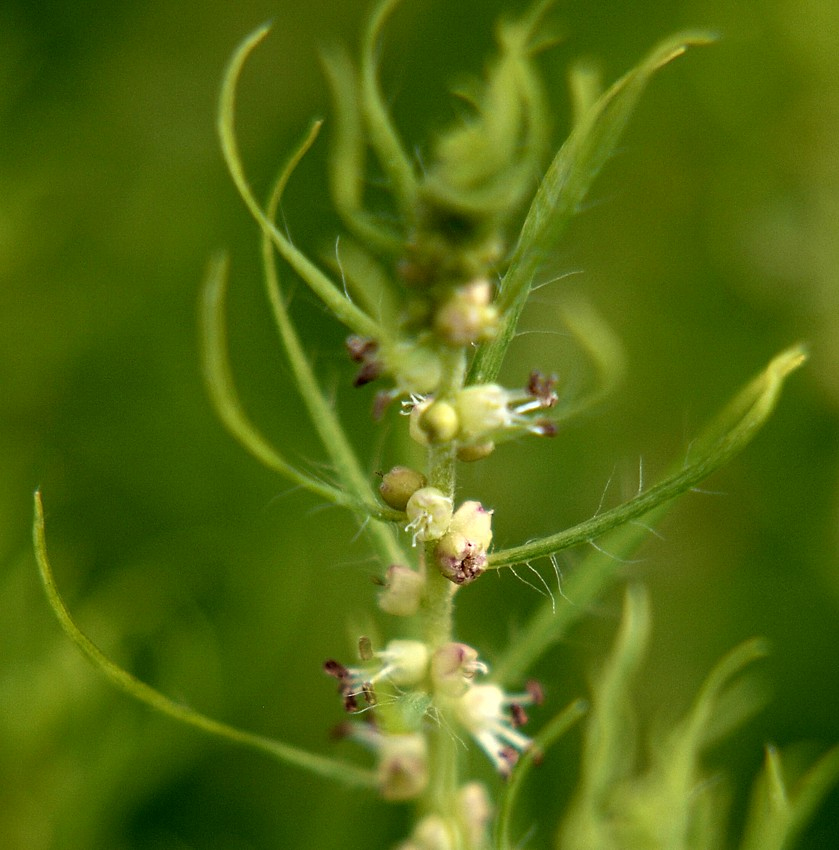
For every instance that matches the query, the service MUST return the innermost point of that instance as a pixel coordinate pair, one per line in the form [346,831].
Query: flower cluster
[462,536]
[480,415]
[423,686]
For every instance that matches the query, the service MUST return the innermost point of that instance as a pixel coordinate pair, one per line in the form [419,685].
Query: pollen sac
[399,485]
[364,351]
[402,591]
[429,513]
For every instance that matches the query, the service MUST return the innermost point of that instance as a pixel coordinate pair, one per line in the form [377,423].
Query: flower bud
[434,421]
[460,561]
[453,666]
[474,811]
[406,661]
[435,833]
[482,409]
[416,370]
[429,514]
[474,521]
[475,451]
[399,485]
[402,773]
[461,552]
[467,316]
[402,592]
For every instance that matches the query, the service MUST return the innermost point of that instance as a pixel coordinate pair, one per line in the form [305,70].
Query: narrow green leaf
[222,390]
[485,165]
[744,416]
[564,187]
[546,738]
[321,413]
[585,88]
[777,815]
[727,436]
[663,806]
[384,139]
[329,768]
[343,309]
[347,156]
[609,743]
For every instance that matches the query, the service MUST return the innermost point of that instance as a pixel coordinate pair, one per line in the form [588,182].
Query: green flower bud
[415,368]
[402,772]
[406,662]
[402,592]
[475,451]
[439,421]
[399,485]
[434,832]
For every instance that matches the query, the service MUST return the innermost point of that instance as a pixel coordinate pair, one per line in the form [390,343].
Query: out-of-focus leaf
[565,186]
[329,768]
[777,814]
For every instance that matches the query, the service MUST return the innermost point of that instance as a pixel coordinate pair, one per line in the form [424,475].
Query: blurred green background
[710,243]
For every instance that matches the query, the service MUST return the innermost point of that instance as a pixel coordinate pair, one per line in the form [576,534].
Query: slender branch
[349,774]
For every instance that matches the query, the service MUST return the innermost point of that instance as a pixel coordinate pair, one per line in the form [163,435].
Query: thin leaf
[347,156]
[383,136]
[343,309]
[598,570]
[565,186]
[777,817]
[329,768]
[321,413]
[609,744]
[546,738]
[663,807]
[725,438]
[222,390]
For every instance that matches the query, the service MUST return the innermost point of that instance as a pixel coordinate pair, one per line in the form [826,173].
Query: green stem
[437,623]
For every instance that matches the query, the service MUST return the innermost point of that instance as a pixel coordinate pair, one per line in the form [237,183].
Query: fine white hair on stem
[341,268]
[540,332]
[563,276]
[541,578]
[555,564]
[605,491]
[529,583]
[614,557]
[648,528]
